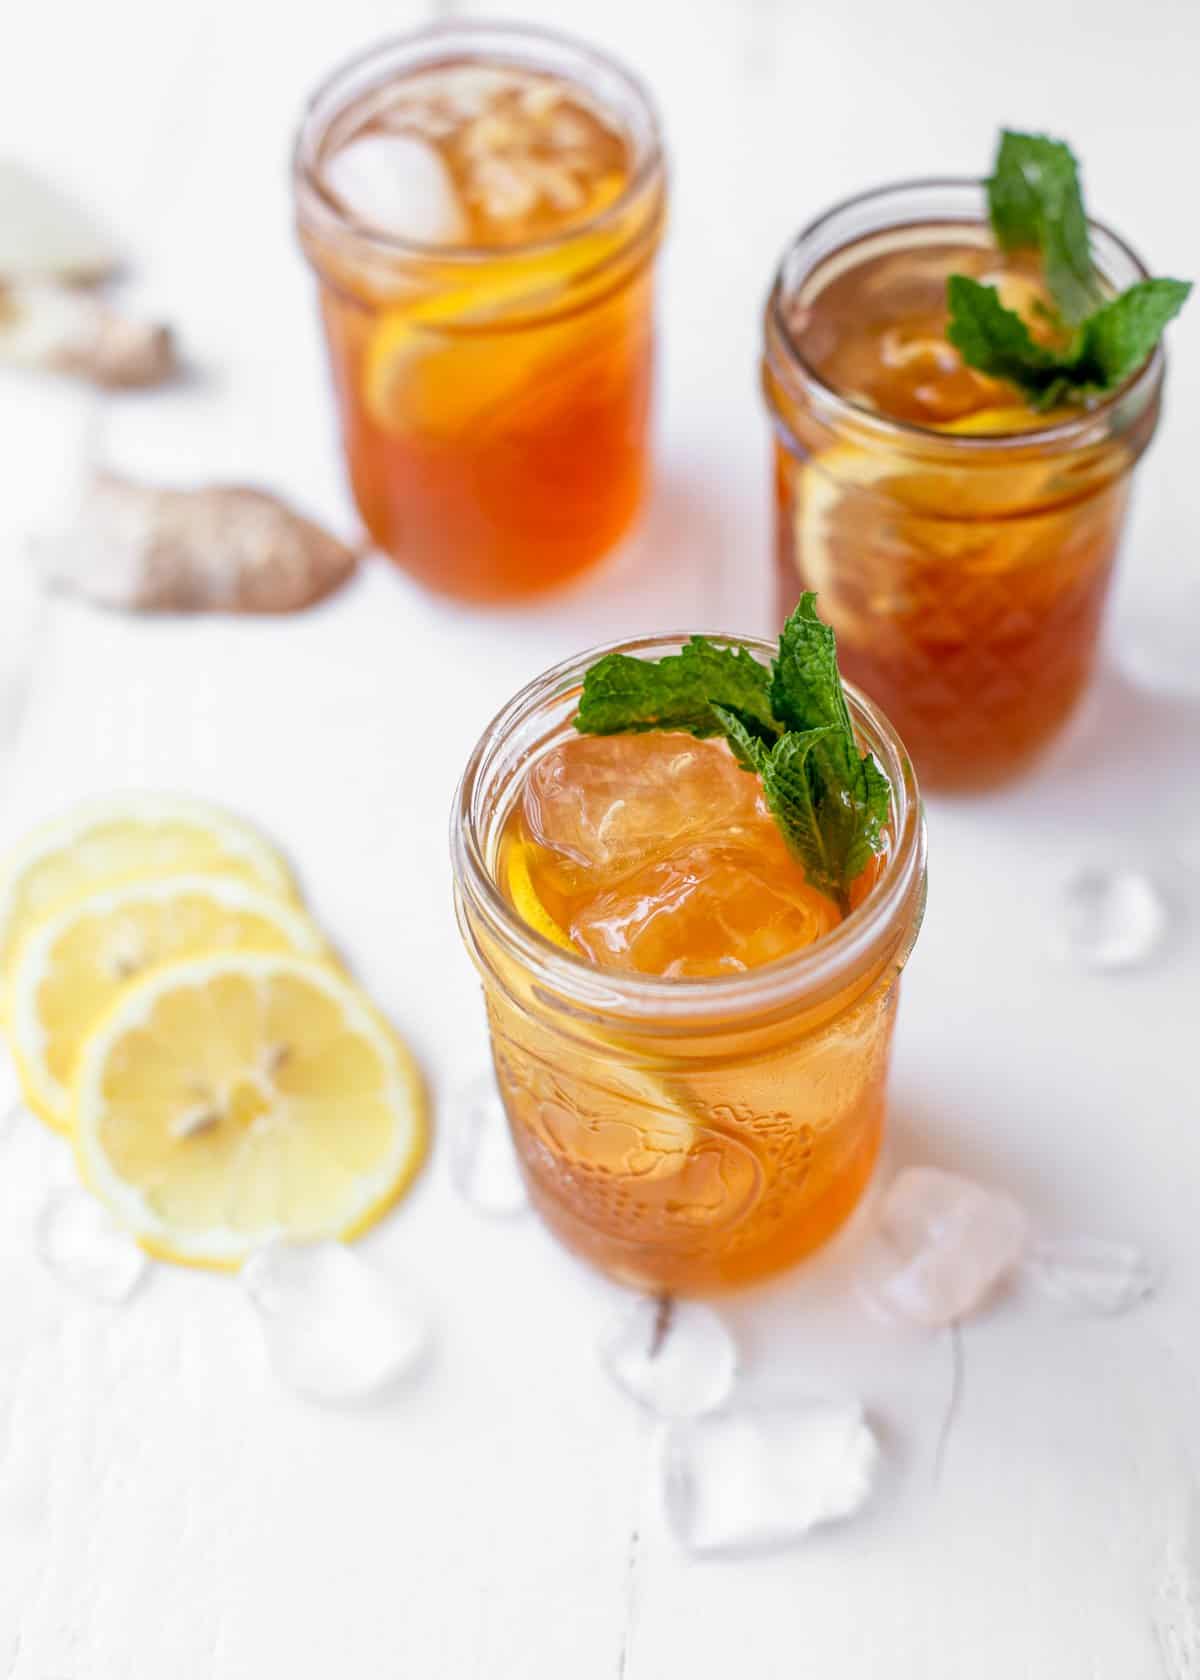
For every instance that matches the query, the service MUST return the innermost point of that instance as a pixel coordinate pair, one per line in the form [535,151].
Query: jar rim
[1139,388]
[323,106]
[837,955]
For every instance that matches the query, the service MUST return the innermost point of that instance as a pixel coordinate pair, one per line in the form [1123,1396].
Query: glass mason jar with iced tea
[691,1043]
[482,205]
[961,543]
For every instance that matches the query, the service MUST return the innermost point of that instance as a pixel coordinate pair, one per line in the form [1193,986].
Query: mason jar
[964,568]
[685,1134]
[494,399]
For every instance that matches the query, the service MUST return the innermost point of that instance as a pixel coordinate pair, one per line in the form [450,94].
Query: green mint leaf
[791,793]
[792,797]
[790,726]
[995,340]
[1109,346]
[621,693]
[850,792]
[745,742]
[1117,339]
[806,685]
[1035,201]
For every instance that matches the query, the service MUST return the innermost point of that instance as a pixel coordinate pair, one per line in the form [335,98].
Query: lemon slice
[137,836]
[868,525]
[235,1098]
[70,970]
[425,366]
[828,514]
[528,905]
[997,422]
[666,1116]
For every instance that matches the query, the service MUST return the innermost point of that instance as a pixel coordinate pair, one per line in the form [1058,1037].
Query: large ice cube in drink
[711,908]
[397,184]
[657,854]
[607,803]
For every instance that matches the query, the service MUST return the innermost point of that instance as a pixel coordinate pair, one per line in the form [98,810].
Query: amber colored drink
[691,1042]
[961,544]
[482,206]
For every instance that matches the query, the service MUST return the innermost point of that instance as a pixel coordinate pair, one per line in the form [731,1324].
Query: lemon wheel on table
[233,1099]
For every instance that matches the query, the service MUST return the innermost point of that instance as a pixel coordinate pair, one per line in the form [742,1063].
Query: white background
[165,1509]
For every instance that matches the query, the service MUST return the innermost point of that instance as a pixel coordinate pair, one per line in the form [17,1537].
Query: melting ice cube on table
[676,1358]
[79,1241]
[483,1162]
[940,1247]
[758,1478]
[397,184]
[1111,918]
[1090,1274]
[334,1327]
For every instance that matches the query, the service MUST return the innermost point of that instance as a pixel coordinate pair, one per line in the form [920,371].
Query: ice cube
[676,1358]
[397,184]
[941,1246]
[78,1240]
[483,1163]
[1090,1274]
[1111,918]
[335,1329]
[758,1478]
[607,802]
[705,909]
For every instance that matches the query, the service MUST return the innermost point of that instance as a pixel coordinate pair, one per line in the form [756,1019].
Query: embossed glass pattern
[685,1134]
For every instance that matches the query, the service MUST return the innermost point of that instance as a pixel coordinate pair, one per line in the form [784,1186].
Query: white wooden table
[165,1507]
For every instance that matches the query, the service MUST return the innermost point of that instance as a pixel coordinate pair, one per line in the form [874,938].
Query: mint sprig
[1035,202]
[790,725]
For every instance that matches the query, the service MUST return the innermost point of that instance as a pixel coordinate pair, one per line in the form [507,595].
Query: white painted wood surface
[164,1508]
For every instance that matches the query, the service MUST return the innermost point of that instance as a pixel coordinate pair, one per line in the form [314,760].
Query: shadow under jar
[685,1134]
[960,544]
[482,205]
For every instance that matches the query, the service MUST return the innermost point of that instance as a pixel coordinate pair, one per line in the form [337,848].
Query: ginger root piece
[66,330]
[217,549]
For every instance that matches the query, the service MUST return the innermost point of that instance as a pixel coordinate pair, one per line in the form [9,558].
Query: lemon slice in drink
[432,363]
[836,530]
[139,836]
[231,1099]
[665,1117]
[528,905]
[868,526]
[71,969]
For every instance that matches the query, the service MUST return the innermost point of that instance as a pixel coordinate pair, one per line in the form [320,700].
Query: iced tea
[691,1042]
[961,544]
[482,206]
